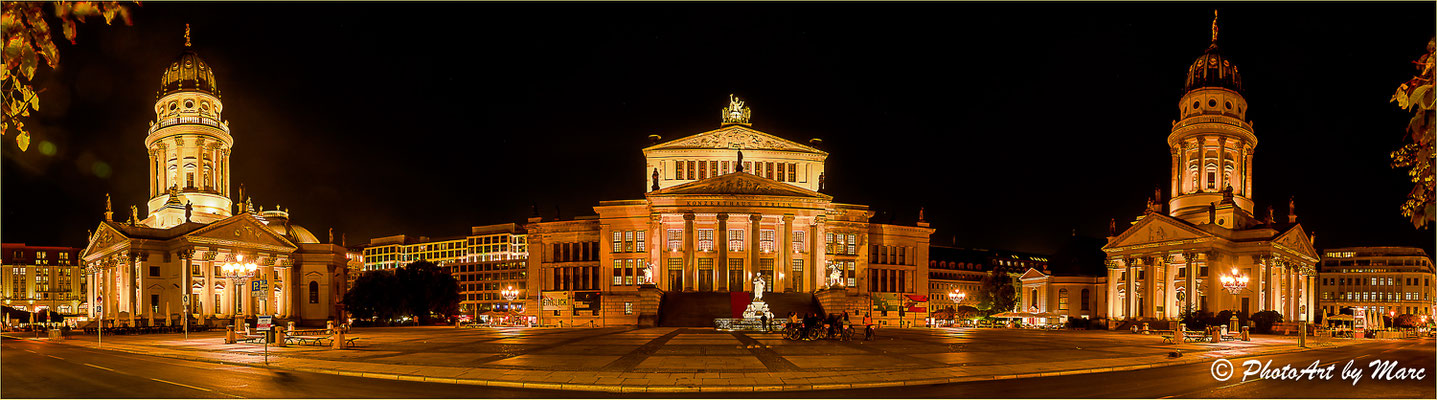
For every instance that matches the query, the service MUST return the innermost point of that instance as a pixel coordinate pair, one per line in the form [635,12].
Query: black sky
[1013,124]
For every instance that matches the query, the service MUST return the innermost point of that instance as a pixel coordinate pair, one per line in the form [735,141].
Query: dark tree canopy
[420,290]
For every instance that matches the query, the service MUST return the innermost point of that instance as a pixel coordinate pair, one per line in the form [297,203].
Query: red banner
[916,303]
[738,301]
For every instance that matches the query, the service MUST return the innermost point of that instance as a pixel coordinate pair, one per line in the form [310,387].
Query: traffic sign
[185,299]
[263,323]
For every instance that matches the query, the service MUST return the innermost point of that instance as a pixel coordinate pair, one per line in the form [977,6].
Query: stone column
[1222,181]
[1191,282]
[1248,183]
[751,266]
[1177,173]
[690,264]
[1130,306]
[721,237]
[784,255]
[1262,282]
[269,301]
[1170,289]
[817,268]
[1112,292]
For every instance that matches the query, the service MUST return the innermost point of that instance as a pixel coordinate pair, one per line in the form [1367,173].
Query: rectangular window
[703,172]
[639,241]
[748,167]
[676,240]
[693,171]
[706,239]
[828,243]
[793,172]
[781,169]
[713,168]
[629,241]
[618,272]
[765,240]
[676,263]
[618,242]
[723,167]
[882,254]
[678,170]
[769,167]
[798,241]
[735,240]
[154,270]
[630,273]
[852,244]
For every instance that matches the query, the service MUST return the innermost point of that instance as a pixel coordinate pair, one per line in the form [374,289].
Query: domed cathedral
[727,212]
[150,269]
[1209,250]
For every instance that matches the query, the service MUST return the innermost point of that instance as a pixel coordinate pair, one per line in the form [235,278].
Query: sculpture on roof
[189,210]
[735,113]
[739,166]
[656,180]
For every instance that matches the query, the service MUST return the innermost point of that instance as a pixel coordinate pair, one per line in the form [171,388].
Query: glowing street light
[509,295]
[1234,283]
[957,296]
[240,271]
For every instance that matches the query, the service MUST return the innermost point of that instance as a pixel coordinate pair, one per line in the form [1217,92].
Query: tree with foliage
[996,293]
[1406,321]
[1416,154]
[1263,321]
[27,40]
[966,312]
[1196,320]
[420,290]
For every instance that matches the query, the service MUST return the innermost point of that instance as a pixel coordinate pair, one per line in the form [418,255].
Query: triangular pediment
[1032,273]
[105,236]
[737,137]
[241,231]
[1156,228]
[738,183]
[1296,239]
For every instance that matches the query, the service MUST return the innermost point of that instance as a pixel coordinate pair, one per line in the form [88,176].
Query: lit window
[735,240]
[706,239]
[676,240]
[765,240]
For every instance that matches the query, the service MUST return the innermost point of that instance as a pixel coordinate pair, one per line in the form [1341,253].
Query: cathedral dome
[188,72]
[1212,69]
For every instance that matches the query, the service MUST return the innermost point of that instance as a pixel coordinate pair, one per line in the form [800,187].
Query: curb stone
[619,388]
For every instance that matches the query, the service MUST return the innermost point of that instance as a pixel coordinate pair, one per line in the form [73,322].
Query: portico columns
[818,267]
[751,266]
[785,255]
[1130,306]
[721,281]
[1113,275]
[690,265]
[1190,282]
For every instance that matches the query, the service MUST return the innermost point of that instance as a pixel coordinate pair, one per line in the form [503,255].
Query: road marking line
[97,366]
[57,358]
[181,384]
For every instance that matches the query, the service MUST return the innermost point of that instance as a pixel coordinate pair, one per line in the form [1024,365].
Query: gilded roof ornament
[187,35]
[735,113]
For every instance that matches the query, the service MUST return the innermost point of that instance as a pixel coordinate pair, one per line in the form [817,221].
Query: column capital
[723,216]
[755,217]
[688,216]
[788,218]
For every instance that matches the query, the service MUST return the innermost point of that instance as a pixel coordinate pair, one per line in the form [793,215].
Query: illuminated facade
[34,278]
[1384,280]
[952,269]
[151,266]
[1170,261]
[501,242]
[722,209]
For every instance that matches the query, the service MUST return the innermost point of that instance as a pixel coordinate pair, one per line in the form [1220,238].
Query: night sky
[1013,124]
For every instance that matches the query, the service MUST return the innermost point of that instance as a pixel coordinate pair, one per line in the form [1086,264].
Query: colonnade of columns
[1275,282]
[785,264]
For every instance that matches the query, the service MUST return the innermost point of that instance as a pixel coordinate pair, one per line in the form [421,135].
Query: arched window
[1034,301]
[1063,299]
[1084,300]
[313,292]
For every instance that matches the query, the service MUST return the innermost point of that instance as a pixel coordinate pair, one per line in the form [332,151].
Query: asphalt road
[43,370]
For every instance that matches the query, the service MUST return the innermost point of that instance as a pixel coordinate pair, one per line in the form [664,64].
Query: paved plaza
[702,359]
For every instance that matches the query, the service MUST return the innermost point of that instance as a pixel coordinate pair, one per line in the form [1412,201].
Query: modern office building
[1388,281]
[34,278]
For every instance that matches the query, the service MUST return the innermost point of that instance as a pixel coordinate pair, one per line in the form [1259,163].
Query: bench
[348,341]
[311,340]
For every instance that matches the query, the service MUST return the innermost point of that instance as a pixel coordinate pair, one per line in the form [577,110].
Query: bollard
[338,343]
[291,326]
[1215,333]
[279,338]
[329,326]
[230,335]
[1145,328]
[1245,337]
[1302,334]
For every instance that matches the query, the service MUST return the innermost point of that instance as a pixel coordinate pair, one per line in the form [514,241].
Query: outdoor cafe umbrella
[167,313]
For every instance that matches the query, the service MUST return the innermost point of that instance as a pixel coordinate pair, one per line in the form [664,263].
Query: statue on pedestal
[758,286]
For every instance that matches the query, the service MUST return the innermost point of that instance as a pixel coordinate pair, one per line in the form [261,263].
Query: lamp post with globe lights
[957,297]
[1234,283]
[240,272]
[509,295]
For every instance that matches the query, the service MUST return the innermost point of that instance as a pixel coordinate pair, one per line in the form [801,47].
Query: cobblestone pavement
[624,359]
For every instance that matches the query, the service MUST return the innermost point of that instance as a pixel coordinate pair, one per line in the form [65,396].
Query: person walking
[764,318]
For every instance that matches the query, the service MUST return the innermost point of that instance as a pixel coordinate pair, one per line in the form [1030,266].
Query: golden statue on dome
[1214,25]
[735,113]
[187,35]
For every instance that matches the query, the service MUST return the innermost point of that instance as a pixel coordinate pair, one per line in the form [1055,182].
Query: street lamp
[239,271]
[509,295]
[1234,283]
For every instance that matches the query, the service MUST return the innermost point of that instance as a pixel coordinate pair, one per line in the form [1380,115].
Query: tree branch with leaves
[1416,154]
[27,39]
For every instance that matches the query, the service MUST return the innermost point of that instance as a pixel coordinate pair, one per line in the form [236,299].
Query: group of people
[836,323]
